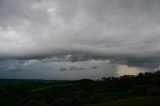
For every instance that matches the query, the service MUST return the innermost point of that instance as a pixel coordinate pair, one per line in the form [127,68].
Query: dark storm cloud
[48,68]
[63,69]
[121,31]
[94,67]
[75,68]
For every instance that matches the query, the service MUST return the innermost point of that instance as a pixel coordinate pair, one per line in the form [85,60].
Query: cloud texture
[120,31]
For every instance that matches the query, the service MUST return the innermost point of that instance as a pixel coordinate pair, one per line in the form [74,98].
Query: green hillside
[139,90]
[139,101]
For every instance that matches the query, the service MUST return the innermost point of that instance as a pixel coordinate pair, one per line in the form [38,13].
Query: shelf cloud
[65,32]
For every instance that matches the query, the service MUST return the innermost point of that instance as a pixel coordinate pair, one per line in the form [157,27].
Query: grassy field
[139,101]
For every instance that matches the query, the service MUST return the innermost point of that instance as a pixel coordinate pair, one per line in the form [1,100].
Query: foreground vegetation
[131,89]
[137,101]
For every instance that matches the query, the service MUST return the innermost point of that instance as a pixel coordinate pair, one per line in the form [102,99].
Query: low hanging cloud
[75,68]
[44,31]
[49,69]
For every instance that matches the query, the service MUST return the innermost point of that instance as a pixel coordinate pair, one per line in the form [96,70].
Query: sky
[77,39]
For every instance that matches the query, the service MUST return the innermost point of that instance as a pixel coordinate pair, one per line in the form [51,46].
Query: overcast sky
[75,39]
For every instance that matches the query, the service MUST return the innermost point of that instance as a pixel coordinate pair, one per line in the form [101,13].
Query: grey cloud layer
[51,69]
[124,31]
